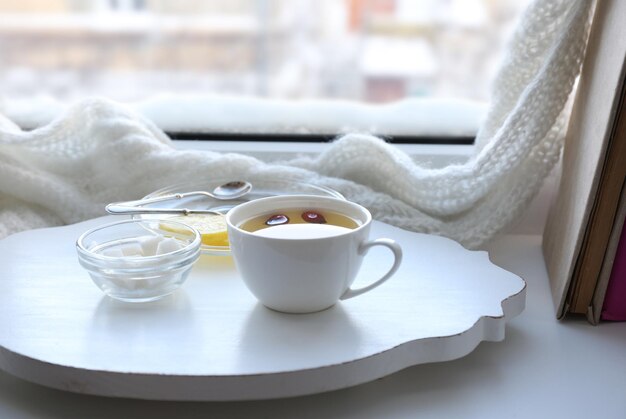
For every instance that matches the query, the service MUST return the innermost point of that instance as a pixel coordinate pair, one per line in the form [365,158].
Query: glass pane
[375,51]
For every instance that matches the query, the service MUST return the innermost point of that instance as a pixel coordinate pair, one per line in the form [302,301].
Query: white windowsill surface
[432,155]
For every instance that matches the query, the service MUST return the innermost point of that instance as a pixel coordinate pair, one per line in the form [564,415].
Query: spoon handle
[117,209]
[120,209]
[136,207]
[170,197]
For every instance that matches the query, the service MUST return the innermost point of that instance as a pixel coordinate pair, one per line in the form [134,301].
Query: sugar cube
[149,244]
[168,245]
[132,249]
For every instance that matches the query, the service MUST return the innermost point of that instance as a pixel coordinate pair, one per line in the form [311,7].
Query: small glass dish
[111,255]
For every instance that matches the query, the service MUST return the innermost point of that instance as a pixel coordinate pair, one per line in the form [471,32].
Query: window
[430,62]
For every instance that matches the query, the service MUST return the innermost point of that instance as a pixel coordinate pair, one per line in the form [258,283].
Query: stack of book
[584,241]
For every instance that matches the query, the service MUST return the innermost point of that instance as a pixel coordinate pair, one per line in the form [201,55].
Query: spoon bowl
[231,190]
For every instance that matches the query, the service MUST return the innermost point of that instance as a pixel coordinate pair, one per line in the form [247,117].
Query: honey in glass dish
[296,223]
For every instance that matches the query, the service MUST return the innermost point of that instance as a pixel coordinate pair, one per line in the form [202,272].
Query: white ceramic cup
[303,275]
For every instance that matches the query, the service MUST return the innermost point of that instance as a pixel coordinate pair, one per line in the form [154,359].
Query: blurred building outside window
[55,52]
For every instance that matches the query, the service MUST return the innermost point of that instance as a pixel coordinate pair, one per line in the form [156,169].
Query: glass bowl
[113,255]
[260,189]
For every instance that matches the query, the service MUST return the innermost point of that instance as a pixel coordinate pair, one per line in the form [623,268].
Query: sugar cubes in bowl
[139,260]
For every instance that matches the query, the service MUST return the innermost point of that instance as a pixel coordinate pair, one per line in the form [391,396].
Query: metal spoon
[227,191]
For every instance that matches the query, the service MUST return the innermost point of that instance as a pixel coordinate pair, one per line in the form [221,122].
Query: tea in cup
[301,253]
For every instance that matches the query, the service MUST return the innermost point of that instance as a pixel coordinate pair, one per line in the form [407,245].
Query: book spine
[614,306]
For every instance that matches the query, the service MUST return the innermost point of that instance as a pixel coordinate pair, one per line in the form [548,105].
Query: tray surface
[211,340]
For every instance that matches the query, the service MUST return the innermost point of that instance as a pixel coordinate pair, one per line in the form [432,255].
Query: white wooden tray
[211,340]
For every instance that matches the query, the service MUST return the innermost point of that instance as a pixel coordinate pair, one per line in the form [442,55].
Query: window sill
[429,155]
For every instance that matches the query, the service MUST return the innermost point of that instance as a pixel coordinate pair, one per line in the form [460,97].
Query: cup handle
[363,248]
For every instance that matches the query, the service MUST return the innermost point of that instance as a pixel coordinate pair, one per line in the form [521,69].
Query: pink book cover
[614,307]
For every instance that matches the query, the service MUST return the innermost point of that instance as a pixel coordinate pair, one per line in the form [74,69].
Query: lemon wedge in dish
[212,227]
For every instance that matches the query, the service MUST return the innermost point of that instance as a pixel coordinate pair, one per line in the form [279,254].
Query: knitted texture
[99,151]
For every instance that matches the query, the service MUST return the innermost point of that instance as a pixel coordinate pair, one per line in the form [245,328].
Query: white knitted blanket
[99,151]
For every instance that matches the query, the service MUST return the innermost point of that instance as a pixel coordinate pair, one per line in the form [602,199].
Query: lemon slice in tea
[212,227]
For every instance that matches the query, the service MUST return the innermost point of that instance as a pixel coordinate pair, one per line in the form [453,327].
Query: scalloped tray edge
[263,386]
